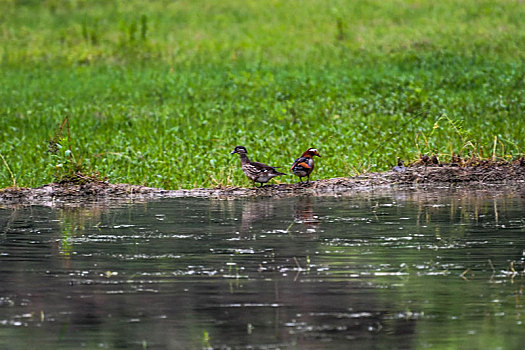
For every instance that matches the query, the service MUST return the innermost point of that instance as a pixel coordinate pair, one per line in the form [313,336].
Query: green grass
[159,92]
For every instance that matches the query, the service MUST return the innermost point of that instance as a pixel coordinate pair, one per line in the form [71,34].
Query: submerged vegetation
[159,92]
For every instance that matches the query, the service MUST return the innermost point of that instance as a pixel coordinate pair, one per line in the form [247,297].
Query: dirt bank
[478,176]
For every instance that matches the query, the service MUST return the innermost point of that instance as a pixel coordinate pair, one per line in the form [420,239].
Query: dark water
[403,270]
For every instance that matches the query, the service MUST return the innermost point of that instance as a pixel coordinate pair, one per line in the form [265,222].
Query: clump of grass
[68,169]
[470,152]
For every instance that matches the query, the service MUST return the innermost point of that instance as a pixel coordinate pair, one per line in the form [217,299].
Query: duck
[400,167]
[304,165]
[255,171]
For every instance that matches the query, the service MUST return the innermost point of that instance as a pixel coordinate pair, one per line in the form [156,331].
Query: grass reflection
[72,222]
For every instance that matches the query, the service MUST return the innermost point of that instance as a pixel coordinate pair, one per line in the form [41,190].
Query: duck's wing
[253,170]
[263,168]
[302,162]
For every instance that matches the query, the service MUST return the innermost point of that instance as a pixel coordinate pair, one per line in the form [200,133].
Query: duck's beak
[232,152]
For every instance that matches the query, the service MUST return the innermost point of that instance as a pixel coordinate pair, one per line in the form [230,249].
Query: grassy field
[159,92]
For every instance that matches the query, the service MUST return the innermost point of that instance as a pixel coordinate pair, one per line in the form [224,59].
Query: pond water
[403,269]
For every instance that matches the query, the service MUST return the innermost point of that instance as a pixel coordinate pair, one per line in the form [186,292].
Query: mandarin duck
[304,165]
[255,171]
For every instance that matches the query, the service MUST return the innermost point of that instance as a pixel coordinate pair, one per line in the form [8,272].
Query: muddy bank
[510,176]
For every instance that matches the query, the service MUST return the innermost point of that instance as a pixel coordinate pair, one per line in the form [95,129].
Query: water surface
[404,270]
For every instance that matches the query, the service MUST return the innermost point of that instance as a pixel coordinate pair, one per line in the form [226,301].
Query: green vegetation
[159,92]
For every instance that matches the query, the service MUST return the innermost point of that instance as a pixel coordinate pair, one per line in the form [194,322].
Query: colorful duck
[304,165]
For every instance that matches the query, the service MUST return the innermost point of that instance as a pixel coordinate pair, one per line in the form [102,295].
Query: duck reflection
[297,216]
[304,215]
[256,212]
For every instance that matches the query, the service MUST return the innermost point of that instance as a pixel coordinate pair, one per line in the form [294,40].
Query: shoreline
[506,176]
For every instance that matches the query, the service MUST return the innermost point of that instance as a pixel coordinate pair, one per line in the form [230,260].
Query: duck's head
[239,150]
[311,152]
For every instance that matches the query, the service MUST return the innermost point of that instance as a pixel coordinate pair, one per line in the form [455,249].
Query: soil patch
[473,176]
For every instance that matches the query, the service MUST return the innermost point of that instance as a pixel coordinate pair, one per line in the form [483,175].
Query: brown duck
[255,171]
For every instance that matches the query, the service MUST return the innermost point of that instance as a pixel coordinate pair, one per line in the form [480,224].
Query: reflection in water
[72,222]
[406,269]
[255,211]
[261,212]
[304,214]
